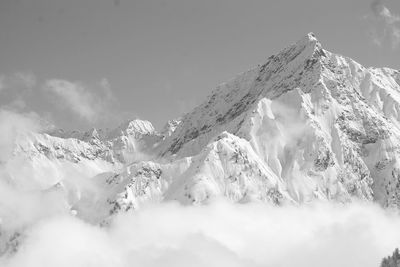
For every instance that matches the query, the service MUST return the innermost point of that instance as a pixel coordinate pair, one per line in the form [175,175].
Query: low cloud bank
[219,234]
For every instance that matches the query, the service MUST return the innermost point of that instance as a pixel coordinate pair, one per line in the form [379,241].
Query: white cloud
[386,25]
[17,104]
[18,80]
[93,103]
[16,89]
[88,104]
[11,125]
[20,208]
[26,79]
[381,11]
[219,234]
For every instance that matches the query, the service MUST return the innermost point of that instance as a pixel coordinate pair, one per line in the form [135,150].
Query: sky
[85,63]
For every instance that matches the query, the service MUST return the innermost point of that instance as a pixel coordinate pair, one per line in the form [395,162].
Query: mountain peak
[311,37]
[133,127]
[306,47]
[93,133]
[296,66]
[308,40]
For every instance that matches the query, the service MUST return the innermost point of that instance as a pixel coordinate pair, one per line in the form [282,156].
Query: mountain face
[307,125]
[324,126]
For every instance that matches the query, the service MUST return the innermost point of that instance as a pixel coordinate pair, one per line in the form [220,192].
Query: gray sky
[94,62]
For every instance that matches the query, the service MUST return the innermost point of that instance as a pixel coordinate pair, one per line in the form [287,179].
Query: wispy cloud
[18,80]
[88,102]
[26,79]
[13,123]
[385,25]
[91,102]
[381,11]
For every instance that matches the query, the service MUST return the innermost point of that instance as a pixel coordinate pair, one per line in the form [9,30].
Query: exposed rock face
[170,127]
[393,260]
[306,125]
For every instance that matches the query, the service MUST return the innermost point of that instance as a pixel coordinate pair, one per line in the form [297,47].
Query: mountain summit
[307,125]
[297,66]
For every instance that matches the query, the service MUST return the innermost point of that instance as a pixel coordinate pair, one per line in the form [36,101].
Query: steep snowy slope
[228,166]
[325,125]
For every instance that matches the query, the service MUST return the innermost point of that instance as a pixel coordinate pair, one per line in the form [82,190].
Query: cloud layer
[220,234]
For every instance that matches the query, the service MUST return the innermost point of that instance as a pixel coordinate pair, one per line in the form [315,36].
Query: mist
[218,234]
[13,123]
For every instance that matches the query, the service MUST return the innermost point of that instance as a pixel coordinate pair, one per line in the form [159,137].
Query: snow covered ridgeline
[324,125]
[308,124]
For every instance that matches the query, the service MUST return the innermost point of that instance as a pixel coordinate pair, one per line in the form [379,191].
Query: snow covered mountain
[324,126]
[306,125]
